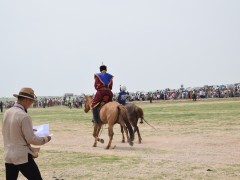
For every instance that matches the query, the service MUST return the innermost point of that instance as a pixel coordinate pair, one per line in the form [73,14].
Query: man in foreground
[17,131]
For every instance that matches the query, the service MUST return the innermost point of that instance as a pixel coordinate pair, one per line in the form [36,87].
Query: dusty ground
[173,151]
[206,156]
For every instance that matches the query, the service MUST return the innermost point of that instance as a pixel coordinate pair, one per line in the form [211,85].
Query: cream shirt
[17,131]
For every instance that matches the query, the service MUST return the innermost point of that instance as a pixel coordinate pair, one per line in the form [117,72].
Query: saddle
[104,101]
[100,105]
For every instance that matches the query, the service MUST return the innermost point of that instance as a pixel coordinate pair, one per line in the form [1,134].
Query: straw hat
[27,93]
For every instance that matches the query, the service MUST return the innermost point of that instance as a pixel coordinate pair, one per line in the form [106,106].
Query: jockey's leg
[95,115]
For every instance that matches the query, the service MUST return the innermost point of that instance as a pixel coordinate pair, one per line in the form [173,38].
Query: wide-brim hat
[27,93]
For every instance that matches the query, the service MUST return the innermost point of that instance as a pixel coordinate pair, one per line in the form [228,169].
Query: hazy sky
[56,46]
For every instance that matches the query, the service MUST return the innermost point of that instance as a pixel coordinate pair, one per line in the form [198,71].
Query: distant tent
[68,94]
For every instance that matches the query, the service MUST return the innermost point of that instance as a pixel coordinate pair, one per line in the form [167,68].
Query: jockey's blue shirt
[122,97]
[105,78]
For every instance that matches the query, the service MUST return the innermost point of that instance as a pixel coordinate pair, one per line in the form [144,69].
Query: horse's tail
[123,112]
[140,114]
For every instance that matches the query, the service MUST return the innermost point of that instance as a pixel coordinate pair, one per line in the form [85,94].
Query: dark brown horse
[134,113]
[111,113]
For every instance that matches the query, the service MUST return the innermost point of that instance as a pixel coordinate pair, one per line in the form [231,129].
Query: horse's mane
[88,97]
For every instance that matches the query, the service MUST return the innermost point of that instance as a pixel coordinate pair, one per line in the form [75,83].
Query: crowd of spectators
[8,104]
[59,101]
[45,102]
[223,91]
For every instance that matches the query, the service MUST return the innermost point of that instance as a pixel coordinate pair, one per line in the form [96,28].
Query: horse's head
[87,103]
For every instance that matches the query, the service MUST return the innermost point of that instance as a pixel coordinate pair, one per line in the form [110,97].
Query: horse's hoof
[123,141]
[130,143]
[102,141]
[107,147]
[94,145]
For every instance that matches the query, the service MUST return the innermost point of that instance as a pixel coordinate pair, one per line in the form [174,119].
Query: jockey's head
[103,68]
[123,88]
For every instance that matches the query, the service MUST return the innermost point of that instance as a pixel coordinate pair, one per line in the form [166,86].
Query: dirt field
[175,150]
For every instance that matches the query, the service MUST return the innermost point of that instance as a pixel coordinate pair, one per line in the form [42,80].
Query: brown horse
[134,113]
[111,113]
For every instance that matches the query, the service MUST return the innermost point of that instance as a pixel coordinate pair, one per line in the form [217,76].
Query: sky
[56,46]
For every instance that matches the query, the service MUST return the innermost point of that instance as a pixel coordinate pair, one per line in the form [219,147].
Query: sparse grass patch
[192,140]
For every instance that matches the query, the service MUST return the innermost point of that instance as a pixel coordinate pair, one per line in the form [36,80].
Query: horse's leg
[123,137]
[99,139]
[110,134]
[136,129]
[139,136]
[96,131]
[126,131]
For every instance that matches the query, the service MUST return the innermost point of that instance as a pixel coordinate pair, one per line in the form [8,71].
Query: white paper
[41,130]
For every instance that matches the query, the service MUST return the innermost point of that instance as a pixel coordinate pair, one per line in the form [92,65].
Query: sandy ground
[171,152]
